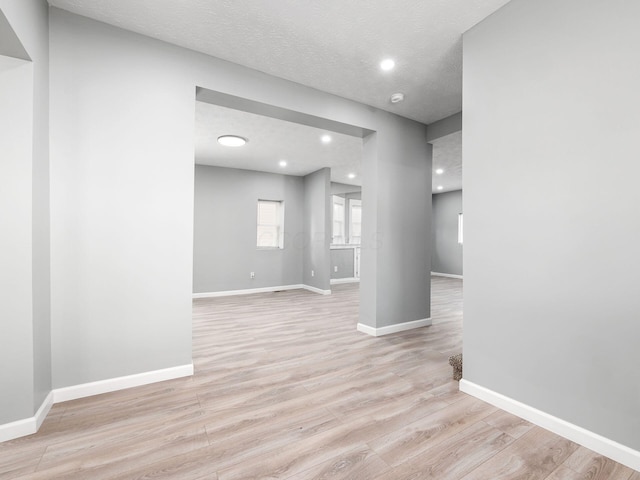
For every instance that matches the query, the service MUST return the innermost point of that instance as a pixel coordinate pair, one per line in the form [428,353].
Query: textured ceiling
[272,140]
[447,155]
[331,45]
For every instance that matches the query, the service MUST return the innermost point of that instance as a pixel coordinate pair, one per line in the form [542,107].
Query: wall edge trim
[398,327]
[338,281]
[43,411]
[26,426]
[448,275]
[316,290]
[120,383]
[250,291]
[247,291]
[591,440]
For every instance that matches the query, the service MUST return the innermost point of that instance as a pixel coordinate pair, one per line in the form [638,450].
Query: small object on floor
[456,362]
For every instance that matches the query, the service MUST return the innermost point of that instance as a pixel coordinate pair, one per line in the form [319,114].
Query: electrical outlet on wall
[252,274]
[313,274]
[335,268]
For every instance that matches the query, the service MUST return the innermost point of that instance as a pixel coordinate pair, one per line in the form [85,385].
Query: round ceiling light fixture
[232,140]
[397,97]
[387,64]
[352,175]
[325,138]
[439,187]
[439,171]
[282,163]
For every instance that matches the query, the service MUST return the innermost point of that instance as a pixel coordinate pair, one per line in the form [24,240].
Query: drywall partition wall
[122,110]
[225,250]
[16,325]
[29,20]
[317,221]
[444,127]
[342,263]
[10,45]
[447,252]
[550,137]
[122,174]
[396,216]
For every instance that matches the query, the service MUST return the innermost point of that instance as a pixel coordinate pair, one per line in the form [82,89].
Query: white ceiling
[331,45]
[272,140]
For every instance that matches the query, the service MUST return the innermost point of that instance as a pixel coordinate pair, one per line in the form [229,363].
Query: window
[460,228]
[355,221]
[270,224]
[337,236]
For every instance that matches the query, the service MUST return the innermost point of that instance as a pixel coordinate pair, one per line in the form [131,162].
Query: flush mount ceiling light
[387,64]
[232,141]
[439,187]
[397,97]
[282,163]
[439,171]
[352,175]
[325,138]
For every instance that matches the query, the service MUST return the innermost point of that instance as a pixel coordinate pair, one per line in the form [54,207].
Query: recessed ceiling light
[325,138]
[397,97]
[439,171]
[232,141]
[282,163]
[439,187]
[352,175]
[387,64]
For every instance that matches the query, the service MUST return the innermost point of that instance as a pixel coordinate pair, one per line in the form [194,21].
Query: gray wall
[444,127]
[316,229]
[395,280]
[224,241]
[343,260]
[447,252]
[16,347]
[26,327]
[122,194]
[551,259]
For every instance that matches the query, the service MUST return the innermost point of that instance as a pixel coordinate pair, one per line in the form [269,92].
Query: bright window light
[270,224]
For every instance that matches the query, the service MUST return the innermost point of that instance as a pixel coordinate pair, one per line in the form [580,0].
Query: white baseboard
[247,291]
[398,327]
[316,290]
[27,426]
[602,445]
[17,429]
[338,281]
[120,383]
[448,275]
[43,411]
[250,291]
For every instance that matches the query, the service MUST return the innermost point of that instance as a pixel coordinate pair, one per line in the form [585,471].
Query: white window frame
[339,237]
[460,226]
[279,225]
[353,202]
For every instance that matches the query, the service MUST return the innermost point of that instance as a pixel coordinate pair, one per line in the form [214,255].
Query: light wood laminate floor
[286,388]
